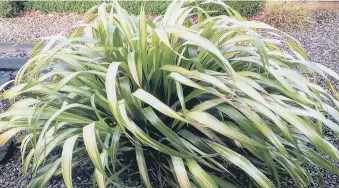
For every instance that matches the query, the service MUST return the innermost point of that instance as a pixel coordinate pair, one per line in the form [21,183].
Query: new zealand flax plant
[172,102]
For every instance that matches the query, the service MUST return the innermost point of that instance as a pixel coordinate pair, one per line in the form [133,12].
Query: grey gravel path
[321,39]
[35,25]
[321,42]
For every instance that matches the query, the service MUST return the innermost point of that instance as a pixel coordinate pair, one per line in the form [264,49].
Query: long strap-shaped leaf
[4,137]
[111,90]
[99,177]
[115,143]
[41,181]
[157,104]
[165,130]
[66,160]
[322,144]
[242,163]
[180,172]
[200,176]
[91,146]
[143,137]
[219,127]
[142,164]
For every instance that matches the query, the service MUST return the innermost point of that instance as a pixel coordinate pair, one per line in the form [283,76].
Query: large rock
[6,150]
[12,63]
[4,77]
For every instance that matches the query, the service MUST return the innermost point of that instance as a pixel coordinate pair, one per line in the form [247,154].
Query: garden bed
[320,41]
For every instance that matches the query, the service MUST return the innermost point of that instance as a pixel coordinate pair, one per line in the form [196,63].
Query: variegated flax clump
[173,102]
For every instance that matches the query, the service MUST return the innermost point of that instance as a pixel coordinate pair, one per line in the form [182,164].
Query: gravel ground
[320,41]
[11,175]
[32,26]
